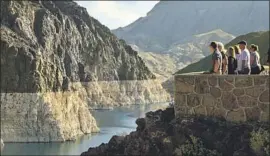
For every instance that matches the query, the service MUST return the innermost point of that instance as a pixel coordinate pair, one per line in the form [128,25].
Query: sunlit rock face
[49,50]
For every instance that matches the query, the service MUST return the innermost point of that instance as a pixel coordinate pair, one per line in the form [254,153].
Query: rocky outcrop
[160,133]
[51,54]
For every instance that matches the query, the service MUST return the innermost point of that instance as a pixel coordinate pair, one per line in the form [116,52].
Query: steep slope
[171,21]
[57,62]
[259,38]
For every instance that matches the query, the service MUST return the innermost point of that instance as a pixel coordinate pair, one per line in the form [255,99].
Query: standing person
[254,59]
[245,58]
[238,61]
[232,62]
[216,59]
[224,57]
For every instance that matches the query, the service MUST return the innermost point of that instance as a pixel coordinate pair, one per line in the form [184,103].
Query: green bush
[260,143]
[195,147]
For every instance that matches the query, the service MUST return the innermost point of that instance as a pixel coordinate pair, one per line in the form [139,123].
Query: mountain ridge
[164,23]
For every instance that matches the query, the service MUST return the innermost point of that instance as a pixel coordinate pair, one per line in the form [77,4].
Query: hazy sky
[116,14]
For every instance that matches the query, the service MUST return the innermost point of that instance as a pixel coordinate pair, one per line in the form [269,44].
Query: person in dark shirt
[216,59]
[232,62]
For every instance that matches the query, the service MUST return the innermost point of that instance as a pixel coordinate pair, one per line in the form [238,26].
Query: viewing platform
[234,97]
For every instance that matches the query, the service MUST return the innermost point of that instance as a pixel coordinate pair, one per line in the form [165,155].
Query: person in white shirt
[244,58]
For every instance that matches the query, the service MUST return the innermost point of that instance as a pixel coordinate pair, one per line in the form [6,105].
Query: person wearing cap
[244,58]
[216,59]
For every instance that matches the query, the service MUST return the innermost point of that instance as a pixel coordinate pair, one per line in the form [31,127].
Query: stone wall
[234,97]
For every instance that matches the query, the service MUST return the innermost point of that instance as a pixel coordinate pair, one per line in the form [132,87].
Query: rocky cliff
[172,22]
[160,133]
[52,52]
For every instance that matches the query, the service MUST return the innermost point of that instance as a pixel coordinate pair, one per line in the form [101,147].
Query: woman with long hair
[232,62]
[224,57]
[238,60]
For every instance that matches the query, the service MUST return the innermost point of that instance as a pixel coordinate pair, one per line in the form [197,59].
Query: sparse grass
[195,147]
[260,143]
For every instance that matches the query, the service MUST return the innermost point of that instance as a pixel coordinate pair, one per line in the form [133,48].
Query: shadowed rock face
[45,45]
[160,133]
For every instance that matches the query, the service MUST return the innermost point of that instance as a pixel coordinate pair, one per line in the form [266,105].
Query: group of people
[237,59]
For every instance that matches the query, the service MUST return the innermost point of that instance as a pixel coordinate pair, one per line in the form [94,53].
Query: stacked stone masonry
[234,97]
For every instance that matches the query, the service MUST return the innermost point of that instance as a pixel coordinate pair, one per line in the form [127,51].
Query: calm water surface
[119,121]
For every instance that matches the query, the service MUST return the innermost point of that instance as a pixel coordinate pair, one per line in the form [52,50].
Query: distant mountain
[173,22]
[183,53]
[260,38]
[195,47]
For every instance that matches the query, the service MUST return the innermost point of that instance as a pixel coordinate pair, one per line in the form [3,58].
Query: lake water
[119,121]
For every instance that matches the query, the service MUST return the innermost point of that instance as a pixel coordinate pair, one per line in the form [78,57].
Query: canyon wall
[233,97]
[54,60]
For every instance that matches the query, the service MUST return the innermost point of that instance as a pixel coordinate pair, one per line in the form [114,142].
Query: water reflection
[118,121]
